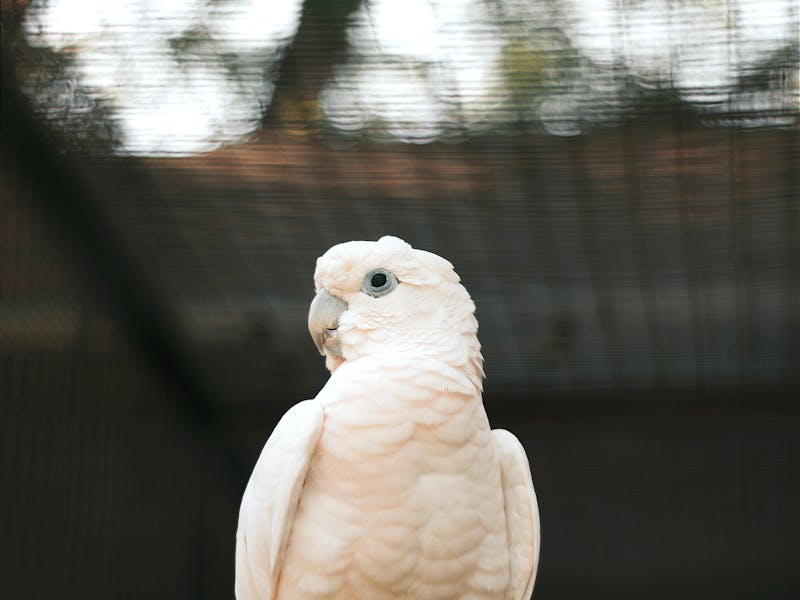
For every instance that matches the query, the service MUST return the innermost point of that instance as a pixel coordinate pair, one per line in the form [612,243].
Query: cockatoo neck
[451,338]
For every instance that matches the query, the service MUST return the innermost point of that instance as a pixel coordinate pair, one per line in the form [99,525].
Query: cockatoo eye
[378,283]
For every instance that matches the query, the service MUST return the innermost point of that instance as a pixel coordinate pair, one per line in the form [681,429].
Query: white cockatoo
[390,483]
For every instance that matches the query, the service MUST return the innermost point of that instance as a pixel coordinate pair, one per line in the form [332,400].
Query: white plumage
[390,483]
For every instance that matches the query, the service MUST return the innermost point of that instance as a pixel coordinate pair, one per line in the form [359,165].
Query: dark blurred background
[615,182]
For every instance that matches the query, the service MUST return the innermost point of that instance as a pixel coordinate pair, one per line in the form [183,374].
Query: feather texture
[404,491]
[270,499]
[390,483]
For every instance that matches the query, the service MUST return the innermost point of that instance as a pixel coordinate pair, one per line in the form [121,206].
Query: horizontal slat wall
[630,257]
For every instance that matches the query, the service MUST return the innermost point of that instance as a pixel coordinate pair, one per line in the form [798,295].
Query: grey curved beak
[323,320]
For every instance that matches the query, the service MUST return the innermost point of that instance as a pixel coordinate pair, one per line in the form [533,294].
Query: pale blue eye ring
[379,282]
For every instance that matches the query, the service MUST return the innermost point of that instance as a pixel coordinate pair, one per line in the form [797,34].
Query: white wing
[522,512]
[270,500]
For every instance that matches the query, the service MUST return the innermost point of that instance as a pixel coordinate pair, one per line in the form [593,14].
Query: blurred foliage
[84,120]
[542,83]
[318,46]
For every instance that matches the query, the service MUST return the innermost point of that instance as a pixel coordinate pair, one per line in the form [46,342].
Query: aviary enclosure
[615,182]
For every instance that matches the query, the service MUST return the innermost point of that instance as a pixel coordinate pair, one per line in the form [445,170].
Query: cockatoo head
[387,297]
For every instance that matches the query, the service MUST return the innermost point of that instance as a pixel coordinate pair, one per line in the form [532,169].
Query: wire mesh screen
[615,182]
